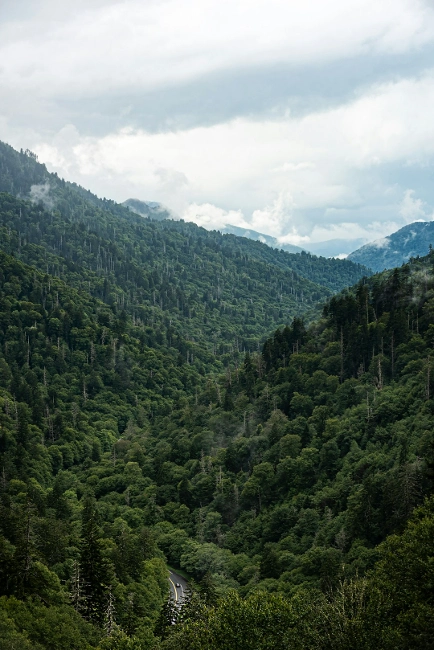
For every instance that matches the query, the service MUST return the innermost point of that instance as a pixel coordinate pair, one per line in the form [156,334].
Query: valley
[260,420]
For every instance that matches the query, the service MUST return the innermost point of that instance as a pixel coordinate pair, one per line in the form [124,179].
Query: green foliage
[402,583]
[390,608]
[94,572]
[34,625]
[260,621]
[190,288]
[273,478]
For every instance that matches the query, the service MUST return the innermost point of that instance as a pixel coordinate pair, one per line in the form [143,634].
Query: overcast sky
[304,120]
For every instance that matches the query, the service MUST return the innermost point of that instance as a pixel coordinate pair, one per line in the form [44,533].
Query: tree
[93,565]
[402,584]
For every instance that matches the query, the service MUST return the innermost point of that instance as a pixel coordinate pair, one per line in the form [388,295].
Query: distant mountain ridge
[258,236]
[328,248]
[335,247]
[150,209]
[410,241]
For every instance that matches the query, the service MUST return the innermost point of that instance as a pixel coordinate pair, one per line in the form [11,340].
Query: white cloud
[351,230]
[257,170]
[131,44]
[299,179]
[412,209]
[41,193]
[294,237]
[274,218]
[384,242]
[213,218]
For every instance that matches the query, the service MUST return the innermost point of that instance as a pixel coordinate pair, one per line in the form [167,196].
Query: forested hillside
[283,480]
[121,243]
[204,286]
[282,476]
[327,443]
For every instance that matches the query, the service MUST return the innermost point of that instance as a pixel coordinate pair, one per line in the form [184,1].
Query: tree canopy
[152,414]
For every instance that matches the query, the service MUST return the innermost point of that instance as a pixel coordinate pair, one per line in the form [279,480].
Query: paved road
[177,593]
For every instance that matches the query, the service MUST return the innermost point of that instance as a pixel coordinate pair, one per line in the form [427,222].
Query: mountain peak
[412,240]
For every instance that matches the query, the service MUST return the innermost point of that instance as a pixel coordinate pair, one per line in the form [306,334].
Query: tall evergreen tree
[93,565]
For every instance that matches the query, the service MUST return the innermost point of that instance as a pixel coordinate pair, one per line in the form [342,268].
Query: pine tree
[76,588]
[168,617]
[93,565]
[110,625]
[207,590]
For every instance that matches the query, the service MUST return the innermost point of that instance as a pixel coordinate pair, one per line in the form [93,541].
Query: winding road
[177,593]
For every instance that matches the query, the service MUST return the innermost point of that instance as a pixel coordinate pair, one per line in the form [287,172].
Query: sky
[307,121]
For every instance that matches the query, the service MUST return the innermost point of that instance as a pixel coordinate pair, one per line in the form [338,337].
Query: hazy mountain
[258,236]
[335,247]
[411,241]
[329,248]
[151,209]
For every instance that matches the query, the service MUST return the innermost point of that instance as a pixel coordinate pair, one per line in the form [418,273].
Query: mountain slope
[220,292]
[281,476]
[166,274]
[309,450]
[134,430]
[24,177]
[413,240]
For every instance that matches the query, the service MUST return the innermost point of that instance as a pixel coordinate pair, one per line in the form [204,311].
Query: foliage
[221,293]
[134,433]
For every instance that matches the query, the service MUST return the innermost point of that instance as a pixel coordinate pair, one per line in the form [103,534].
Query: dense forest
[289,476]
[226,292]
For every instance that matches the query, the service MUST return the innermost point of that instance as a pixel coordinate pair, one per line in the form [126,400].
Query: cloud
[323,175]
[274,218]
[212,217]
[413,209]
[381,243]
[165,65]
[147,45]
[41,194]
[303,121]
[373,230]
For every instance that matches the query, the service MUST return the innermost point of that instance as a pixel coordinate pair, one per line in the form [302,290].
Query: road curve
[177,593]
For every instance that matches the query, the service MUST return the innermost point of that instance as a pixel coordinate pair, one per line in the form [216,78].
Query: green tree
[94,569]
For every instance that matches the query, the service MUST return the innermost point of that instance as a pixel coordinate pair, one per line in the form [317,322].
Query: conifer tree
[93,565]
[168,616]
